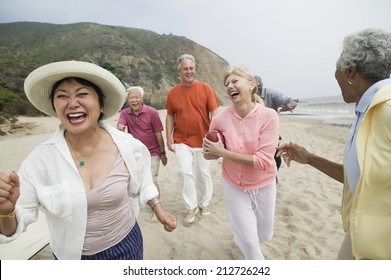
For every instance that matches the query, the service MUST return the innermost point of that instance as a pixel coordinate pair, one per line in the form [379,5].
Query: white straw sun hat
[39,83]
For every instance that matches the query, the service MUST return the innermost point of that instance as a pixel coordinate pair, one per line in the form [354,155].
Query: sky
[292,44]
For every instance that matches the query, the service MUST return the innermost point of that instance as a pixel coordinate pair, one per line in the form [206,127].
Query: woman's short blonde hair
[242,71]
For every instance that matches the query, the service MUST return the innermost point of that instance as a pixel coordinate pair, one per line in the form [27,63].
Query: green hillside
[135,56]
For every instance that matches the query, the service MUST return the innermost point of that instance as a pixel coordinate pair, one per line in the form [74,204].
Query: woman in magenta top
[249,169]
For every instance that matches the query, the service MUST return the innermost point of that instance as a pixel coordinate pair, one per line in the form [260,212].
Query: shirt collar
[141,111]
[366,98]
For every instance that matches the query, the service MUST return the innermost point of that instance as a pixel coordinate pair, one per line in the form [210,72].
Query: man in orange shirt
[191,105]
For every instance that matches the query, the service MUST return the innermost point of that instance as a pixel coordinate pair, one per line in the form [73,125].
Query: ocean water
[332,110]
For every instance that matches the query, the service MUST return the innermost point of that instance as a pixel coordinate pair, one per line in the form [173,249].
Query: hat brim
[39,83]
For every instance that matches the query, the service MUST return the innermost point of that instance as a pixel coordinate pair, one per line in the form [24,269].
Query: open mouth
[234,94]
[76,118]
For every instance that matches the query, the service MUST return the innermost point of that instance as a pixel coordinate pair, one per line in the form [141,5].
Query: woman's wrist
[152,203]
[10,215]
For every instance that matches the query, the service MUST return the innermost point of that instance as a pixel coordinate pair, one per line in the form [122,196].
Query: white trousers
[251,214]
[197,191]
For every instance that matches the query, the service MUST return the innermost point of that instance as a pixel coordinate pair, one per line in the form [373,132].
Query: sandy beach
[307,221]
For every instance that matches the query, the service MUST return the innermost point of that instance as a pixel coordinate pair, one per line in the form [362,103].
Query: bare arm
[121,127]
[292,151]
[165,218]
[213,113]
[214,150]
[170,132]
[121,123]
[160,140]
[238,158]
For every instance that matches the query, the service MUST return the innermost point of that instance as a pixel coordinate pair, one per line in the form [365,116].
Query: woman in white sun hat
[83,176]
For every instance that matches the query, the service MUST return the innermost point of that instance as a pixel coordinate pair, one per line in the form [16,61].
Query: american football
[212,136]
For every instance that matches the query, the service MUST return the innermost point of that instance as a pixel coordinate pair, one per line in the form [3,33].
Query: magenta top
[143,126]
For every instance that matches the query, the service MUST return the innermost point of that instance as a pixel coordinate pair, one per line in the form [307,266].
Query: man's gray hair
[140,89]
[183,57]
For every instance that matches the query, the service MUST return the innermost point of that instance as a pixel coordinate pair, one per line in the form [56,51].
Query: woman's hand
[165,218]
[213,150]
[291,151]
[9,192]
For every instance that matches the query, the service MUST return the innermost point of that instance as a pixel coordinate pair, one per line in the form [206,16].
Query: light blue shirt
[352,165]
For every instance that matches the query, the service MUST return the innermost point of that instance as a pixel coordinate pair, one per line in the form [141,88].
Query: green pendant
[81,163]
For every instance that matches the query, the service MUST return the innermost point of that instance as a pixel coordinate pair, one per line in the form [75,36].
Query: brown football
[212,136]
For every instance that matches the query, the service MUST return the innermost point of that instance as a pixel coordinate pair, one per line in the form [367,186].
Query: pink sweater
[256,134]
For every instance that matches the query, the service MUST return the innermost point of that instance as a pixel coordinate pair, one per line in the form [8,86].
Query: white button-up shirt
[49,180]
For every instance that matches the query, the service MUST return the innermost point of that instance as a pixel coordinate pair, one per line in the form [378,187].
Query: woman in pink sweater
[249,169]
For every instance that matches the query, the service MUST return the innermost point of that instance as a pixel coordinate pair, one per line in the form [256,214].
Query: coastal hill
[135,56]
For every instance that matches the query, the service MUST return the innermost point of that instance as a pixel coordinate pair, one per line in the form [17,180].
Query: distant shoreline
[326,119]
[330,110]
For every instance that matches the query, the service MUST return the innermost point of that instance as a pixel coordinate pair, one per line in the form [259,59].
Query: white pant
[196,193]
[251,213]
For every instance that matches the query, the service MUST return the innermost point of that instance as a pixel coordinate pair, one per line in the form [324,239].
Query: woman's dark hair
[84,83]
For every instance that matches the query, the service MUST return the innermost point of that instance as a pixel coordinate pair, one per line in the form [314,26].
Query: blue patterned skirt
[130,248]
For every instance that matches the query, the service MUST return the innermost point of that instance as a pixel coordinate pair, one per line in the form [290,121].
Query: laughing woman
[249,169]
[83,176]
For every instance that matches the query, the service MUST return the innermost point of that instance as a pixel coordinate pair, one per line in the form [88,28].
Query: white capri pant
[196,192]
[251,213]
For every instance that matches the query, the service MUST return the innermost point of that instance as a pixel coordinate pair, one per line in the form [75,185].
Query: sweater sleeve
[264,156]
